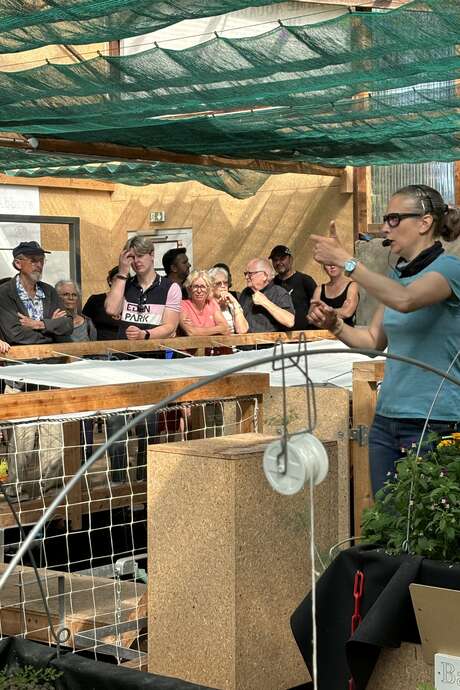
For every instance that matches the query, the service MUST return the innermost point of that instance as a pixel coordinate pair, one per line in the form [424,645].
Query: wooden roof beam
[354,4]
[106,152]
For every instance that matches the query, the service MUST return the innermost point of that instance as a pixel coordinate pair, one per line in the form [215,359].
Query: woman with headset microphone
[418,316]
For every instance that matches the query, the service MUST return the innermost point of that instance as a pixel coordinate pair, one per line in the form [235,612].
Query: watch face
[349,266]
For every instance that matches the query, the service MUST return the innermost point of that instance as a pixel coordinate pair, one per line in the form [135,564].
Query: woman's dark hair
[446,220]
[111,274]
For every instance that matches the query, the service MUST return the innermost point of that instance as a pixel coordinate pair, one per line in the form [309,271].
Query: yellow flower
[446,442]
[456,435]
[3,469]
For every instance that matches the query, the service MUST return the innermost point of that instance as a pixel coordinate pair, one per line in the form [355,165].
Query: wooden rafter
[102,152]
[378,4]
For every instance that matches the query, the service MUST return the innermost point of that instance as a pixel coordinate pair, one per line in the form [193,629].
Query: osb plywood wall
[286,210]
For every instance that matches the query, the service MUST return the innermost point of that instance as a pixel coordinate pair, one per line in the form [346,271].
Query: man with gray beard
[32,314]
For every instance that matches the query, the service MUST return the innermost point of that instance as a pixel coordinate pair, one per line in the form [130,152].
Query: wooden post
[72,462]
[365,378]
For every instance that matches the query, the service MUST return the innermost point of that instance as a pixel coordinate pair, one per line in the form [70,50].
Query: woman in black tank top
[340,293]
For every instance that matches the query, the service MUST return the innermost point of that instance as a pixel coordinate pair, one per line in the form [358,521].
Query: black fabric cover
[79,673]
[386,610]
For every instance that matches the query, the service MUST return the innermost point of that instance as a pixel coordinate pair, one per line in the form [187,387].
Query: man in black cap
[32,314]
[299,285]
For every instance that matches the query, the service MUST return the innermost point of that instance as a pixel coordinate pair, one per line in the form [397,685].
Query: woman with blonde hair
[340,293]
[201,314]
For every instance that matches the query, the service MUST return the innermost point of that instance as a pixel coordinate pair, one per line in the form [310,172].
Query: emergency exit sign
[157,216]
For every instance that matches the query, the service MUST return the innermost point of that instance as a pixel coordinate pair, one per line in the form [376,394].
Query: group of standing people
[418,315]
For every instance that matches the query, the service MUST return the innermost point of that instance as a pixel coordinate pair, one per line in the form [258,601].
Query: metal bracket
[360,434]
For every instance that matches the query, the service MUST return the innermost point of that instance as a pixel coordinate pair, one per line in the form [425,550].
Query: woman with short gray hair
[229,306]
[83,327]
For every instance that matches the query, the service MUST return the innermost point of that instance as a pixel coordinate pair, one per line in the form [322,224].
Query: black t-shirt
[106,326]
[258,318]
[301,288]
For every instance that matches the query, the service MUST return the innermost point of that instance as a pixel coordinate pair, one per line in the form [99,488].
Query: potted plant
[418,509]
[29,678]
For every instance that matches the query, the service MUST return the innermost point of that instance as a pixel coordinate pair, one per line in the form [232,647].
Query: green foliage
[424,493]
[425,686]
[29,678]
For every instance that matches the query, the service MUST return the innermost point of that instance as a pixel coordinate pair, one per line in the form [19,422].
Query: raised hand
[322,315]
[328,250]
[125,261]
[259,298]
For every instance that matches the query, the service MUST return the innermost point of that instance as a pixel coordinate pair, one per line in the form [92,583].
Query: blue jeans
[388,435]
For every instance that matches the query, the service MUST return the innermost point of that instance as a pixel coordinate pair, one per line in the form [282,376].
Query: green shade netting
[299,81]
[416,126]
[240,184]
[27,24]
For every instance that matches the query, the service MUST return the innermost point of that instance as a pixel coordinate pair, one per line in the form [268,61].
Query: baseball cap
[28,248]
[279,250]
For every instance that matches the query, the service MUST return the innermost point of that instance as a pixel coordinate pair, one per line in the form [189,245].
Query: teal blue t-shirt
[430,335]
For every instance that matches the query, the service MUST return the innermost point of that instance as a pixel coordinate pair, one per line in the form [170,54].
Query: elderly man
[148,306]
[32,314]
[266,306]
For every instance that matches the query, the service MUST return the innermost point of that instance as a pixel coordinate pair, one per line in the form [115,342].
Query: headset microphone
[386,243]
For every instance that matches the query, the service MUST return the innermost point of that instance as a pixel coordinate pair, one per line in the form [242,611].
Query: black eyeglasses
[249,274]
[394,219]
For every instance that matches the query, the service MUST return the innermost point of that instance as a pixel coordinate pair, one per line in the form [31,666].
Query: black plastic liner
[79,673]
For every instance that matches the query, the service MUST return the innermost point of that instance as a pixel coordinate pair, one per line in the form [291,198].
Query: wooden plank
[95,398]
[360,201]
[58,182]
[72,463]
[115,152]
[365,378]
[89,602]
[346,181]
[457,181]
[380,4]
[102,347]
[96,500]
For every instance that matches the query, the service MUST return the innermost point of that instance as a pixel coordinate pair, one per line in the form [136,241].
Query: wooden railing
[197,343]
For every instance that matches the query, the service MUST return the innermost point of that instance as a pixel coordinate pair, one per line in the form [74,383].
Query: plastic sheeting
[323,369]
[79,673]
